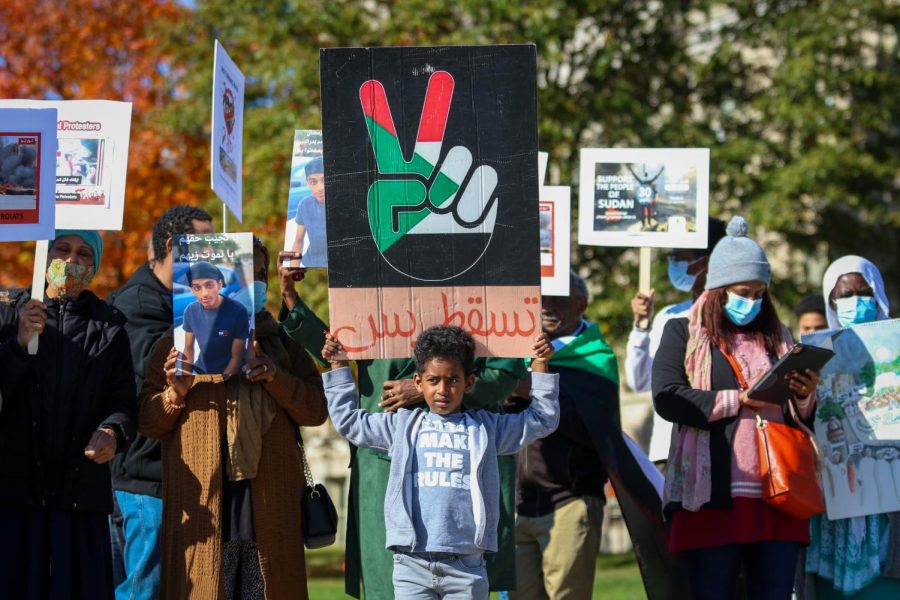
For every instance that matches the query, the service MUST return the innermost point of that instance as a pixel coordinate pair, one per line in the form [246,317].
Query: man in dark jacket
[561,477]
[146,301]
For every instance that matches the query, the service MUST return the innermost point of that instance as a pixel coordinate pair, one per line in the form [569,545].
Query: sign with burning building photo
[27,145]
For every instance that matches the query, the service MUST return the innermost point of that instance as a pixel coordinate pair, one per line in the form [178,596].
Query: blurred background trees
[796,99]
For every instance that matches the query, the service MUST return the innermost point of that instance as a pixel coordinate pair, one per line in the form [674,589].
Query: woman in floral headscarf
[67,411]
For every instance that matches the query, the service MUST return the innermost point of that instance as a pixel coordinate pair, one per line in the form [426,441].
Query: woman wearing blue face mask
[702,370]
[856,558]
[231,464]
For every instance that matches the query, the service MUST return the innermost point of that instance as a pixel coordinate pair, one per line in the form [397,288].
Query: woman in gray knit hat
[704,365]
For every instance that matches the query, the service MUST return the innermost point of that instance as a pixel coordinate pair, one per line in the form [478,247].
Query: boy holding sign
[444,478]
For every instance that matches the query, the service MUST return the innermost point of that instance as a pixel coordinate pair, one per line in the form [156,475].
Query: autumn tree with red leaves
[106,49]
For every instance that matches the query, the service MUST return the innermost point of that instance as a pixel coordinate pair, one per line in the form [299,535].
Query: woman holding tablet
[704,365]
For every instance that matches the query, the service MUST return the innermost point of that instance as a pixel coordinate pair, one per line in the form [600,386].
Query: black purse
[318,516]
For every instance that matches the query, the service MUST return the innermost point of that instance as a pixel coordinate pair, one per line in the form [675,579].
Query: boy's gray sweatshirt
[395,433]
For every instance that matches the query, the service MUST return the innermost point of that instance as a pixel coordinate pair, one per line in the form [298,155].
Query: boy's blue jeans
[141,523]
[439,576]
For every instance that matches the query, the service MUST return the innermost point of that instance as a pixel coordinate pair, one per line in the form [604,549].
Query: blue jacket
[395,433]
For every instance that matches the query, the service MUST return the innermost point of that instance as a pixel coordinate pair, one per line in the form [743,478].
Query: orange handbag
[787,461]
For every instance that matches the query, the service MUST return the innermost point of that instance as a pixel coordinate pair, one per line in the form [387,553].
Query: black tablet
[773,387]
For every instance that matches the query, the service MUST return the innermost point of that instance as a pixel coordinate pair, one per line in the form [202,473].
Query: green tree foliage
[794,98]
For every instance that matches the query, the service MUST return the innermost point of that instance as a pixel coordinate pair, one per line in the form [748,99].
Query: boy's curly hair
[444,341]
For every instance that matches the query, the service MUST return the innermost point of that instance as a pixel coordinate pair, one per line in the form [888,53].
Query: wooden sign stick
[37,283]
[644,281]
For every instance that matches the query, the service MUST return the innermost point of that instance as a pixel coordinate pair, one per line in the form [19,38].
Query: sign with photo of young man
[212,301]
[304,231]
[431,170]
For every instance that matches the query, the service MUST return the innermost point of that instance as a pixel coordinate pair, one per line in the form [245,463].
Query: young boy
[442,500]
[310,217]
[220,325]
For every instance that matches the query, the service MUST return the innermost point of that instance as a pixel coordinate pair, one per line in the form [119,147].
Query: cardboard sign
[304,230]
[227,130]
[555,215]
[431,172]
[644,197]
[27,147]
[857,422]
[212,300]
[91,161]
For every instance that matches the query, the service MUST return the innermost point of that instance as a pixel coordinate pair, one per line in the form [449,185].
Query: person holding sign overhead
[713,489]
[66,412]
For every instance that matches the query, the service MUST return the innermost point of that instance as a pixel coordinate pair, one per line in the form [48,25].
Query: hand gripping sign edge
[414,199]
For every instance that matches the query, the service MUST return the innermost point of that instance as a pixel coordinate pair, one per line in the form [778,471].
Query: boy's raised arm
[360,427]
[540,419]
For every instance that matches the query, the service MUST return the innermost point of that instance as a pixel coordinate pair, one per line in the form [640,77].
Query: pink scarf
[689,469]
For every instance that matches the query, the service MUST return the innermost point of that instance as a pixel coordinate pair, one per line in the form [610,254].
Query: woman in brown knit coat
[232,474]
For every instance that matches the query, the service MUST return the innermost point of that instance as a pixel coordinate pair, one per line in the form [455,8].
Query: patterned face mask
[68,278]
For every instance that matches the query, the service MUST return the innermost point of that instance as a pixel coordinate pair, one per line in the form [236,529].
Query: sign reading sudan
[431,196]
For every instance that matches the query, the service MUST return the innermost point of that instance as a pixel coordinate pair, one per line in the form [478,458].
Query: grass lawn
[617,575]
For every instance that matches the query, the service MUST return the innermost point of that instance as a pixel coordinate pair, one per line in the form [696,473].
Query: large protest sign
[91,160]
[644,197]
[212,300]
[227,130]
[27,147]
[556,217]
[857,422]
[431,175]
[304,230]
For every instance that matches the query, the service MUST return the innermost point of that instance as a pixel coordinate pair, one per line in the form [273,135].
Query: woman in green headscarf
[67,411]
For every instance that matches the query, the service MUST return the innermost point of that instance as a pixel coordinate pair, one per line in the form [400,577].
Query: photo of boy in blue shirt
[219,325]
[442,499]
[310,218]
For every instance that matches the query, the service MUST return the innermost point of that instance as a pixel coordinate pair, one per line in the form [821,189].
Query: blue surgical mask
[855,310]
[259,295]
[678,274]
[742,310]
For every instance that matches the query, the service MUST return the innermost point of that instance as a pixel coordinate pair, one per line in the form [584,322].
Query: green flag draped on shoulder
[588,352]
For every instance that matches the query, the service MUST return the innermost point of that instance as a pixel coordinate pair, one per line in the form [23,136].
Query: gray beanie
[737,258]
